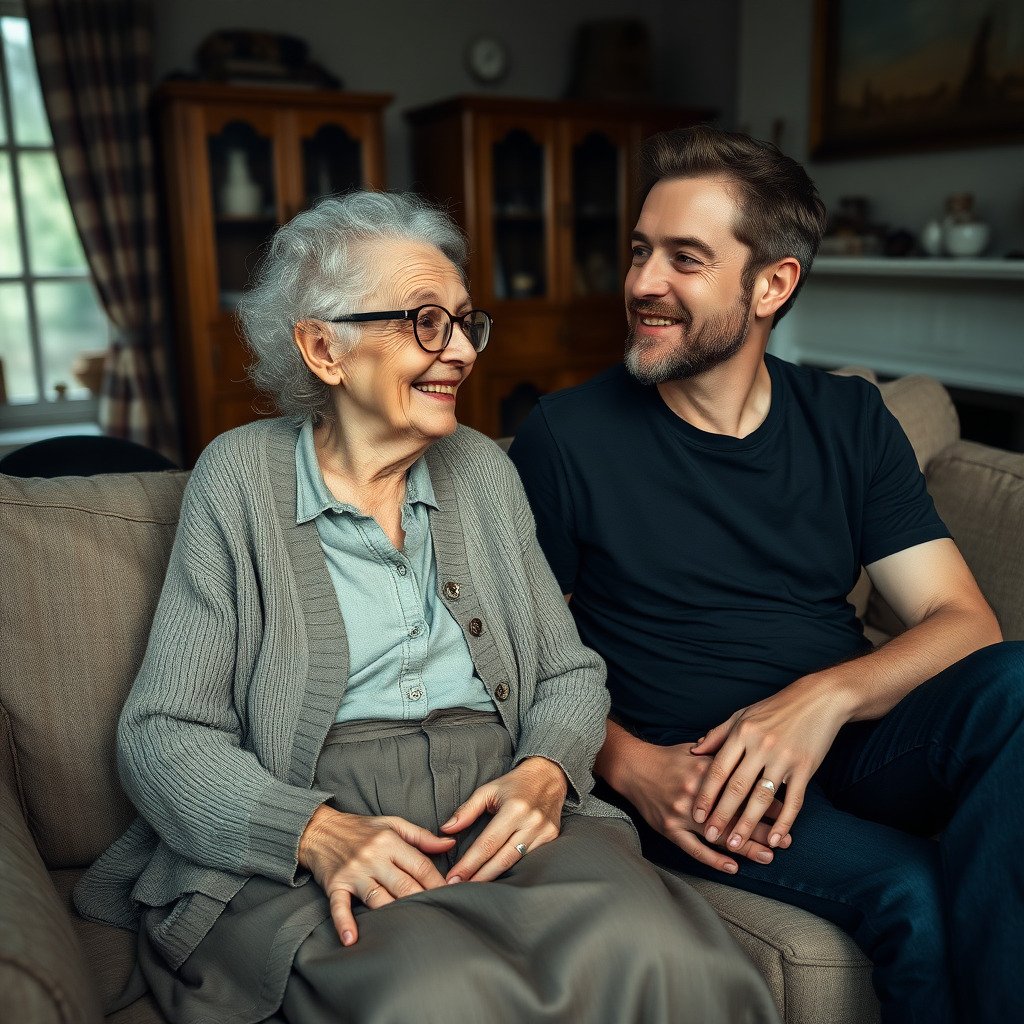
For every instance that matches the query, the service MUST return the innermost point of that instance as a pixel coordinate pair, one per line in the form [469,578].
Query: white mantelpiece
[960,320]
[940,266]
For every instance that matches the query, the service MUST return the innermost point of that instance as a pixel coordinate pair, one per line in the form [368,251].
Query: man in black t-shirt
[706,509]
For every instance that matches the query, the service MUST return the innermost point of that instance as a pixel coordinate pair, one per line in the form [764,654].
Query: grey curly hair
[312,270]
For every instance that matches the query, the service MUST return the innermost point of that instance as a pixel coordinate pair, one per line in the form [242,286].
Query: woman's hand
[527,808]
[377,860]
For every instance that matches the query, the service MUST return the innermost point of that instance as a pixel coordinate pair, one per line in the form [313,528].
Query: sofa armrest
[815,971]
[43,975]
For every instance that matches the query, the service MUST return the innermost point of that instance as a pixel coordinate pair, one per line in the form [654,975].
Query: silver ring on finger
[373,892]
[769,785]
[521,847]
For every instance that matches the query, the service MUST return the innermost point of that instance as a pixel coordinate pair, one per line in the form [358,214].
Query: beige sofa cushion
[44,977]
[815,971]
[82,560]
[979,492]
[109,952]
[926,414]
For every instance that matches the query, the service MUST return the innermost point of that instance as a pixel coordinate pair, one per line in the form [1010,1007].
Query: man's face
[686,308]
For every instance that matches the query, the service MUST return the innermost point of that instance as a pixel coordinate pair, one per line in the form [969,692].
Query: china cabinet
[238,161]
[546,191]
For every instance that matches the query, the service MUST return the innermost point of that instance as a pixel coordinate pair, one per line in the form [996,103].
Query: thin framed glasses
[432,325]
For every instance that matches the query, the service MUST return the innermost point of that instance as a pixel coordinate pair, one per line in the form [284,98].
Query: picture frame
[894,76]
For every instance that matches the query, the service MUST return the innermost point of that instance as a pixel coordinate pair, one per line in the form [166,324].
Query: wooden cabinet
[546,191]
[237,163]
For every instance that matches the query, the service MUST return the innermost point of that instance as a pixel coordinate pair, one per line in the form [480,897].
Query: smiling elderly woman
[362,686]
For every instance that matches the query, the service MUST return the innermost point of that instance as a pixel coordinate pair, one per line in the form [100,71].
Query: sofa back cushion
[82,561]
[926,414]
[979,492]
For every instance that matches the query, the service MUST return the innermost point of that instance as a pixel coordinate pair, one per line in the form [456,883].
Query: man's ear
[775,284]
[314,345]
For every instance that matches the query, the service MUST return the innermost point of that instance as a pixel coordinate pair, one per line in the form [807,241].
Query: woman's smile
[438,390]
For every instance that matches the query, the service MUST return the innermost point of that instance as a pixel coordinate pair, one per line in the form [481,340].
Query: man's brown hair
[781,213]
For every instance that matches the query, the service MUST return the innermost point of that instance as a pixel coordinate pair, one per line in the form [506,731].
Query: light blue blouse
[407,654]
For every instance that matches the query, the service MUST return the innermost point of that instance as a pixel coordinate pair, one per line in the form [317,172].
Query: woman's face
[387,380]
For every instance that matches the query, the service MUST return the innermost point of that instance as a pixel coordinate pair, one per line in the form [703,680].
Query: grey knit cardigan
[247,664]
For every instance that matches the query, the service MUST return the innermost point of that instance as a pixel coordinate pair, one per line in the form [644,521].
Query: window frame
[44,411]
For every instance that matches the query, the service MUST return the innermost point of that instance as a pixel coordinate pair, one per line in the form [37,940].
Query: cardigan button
[451,590]
[501,691]
[476,627]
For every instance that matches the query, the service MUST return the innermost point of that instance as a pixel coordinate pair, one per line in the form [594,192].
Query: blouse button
[415,693]
[501,691]
[451,590]
[401,569]
[476,627]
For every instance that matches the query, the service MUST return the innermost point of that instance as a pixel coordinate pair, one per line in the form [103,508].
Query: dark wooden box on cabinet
[547,192]
[239,161]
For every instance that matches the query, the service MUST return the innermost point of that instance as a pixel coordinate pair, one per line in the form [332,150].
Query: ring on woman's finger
[769,785]
[373,892]
[521,847]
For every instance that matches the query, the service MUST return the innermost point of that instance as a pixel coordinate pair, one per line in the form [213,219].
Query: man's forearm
[874,684]
[621,753]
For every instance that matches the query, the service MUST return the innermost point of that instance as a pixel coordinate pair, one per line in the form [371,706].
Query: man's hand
[782,739]
[785,738]
[527,808]
[661,782]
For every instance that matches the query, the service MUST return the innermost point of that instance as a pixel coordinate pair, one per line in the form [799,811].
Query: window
[50,313]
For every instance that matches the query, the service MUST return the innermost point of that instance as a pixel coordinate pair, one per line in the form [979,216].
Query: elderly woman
[362,686]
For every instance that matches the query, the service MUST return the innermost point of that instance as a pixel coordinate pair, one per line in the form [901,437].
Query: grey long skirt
[580,930]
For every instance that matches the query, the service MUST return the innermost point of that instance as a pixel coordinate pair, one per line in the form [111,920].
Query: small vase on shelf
[240,196]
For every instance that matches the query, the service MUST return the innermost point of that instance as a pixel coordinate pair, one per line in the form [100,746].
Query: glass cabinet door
[596,215]
[519,213]
[332,162]
[244,193]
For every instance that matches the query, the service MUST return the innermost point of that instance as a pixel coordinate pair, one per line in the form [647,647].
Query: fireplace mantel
[960,320]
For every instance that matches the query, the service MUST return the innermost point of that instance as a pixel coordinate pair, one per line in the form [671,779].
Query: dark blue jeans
[943,922]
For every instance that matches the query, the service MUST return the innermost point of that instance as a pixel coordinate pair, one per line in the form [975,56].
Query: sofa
[81,564]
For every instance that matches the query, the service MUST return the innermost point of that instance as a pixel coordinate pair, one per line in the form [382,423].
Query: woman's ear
[315,346]
[776,284]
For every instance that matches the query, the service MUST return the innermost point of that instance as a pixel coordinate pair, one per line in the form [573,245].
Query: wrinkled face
[387,377]
[686,309]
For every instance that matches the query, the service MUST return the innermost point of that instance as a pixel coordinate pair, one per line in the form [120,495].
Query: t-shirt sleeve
[898,510]
[541,468]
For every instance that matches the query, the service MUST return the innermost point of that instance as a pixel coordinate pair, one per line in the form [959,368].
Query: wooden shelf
[976,269]
[528,216]
[264,219]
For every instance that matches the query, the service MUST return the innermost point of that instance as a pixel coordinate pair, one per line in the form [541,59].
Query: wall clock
[487,58]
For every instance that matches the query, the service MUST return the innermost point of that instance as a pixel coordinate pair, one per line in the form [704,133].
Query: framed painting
[901,75]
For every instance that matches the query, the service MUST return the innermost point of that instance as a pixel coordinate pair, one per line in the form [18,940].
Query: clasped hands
[381,859]
[707,796]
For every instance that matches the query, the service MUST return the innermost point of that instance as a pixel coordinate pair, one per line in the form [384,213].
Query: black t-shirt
[711,571]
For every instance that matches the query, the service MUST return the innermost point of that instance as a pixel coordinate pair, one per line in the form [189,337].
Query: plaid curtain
[94,60]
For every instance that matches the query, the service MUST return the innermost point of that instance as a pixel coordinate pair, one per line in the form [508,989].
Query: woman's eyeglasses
[432,325]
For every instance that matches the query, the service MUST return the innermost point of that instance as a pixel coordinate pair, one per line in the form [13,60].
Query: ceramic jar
[963,232]
[967,239]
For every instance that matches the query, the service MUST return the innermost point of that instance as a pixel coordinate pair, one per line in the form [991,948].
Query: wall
[905,190]
[415,49]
